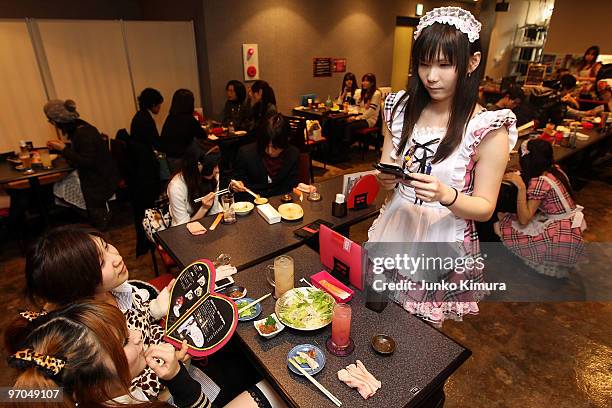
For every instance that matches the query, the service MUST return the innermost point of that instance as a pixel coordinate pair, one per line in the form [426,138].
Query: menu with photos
[197,314]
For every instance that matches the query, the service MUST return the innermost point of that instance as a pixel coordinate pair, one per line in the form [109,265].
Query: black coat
[178,133]
[90,154]
[239,113]
[250,169]
[144,130]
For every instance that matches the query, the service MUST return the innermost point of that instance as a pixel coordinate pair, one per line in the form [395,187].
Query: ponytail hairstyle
[537,159]
[443,41]
[63,266]
[366,94]
[79,348]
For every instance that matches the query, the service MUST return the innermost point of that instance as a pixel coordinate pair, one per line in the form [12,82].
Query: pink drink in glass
[341,325]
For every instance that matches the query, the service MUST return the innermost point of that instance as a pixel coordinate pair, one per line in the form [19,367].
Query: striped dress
[405,219]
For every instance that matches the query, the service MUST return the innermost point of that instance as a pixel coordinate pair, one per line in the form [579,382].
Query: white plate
[240,133]
[279,327]
[290,211]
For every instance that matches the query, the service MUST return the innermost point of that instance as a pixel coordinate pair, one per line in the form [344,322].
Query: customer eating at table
[180,128]
[88,350]
[143,127]
[511,99]
[347,90]
[268,166]
[546,231]
[236,110]
[89,153]
[263,102]
[198,177]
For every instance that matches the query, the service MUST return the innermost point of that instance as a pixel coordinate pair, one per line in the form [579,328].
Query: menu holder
[341,256]
[206,319]
[363,193]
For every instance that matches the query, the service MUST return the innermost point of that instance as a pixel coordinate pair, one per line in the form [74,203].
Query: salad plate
[249,314]
[308,356]
[305,308]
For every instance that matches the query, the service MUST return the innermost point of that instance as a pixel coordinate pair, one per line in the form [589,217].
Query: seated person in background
[180,128]
[546,231]
[263,103]
[90,154]
[270,165]
[69,264]
[347,90]
[368,98]
[604,86]
[236,108]
[143,127]
[511,99]
[88,349]
[588,67]
[198,177]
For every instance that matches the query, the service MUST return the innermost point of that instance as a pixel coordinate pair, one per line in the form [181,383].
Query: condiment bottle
[339,206]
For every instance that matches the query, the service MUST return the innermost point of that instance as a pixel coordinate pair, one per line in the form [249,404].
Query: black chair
[298,138]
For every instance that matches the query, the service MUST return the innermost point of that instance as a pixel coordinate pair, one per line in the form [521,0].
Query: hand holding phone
[392,169]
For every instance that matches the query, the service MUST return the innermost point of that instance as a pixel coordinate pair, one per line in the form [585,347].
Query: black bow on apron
[424,167]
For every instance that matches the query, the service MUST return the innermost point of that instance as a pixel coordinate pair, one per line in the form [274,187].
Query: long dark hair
[366,94]
[443,39]
[208,156]
[63,265]
[183,102]
[583,63]
[239,89]
[347,76]
[267,98]
[540,160]
[89,338]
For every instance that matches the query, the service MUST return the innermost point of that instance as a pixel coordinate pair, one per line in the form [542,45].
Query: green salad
[247,313]
[305,308]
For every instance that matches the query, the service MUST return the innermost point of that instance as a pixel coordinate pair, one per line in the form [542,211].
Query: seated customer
[90,154]
[270,165]
[263,103]
[236,108]
[368,98]
[88,350]
[143,128]
[198,177]
[347,90]
[511,99]
[546,231]
[180,128]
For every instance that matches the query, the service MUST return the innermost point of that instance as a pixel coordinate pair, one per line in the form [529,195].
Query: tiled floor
[524,354]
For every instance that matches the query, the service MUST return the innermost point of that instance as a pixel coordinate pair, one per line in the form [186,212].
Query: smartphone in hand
[393,169]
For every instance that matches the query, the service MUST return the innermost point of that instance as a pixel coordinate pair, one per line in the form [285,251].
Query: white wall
[520,12]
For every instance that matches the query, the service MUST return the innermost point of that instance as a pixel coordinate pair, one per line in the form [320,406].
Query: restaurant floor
[524,354]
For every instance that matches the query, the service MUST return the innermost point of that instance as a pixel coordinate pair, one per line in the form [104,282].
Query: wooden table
[251,239]
[8,173]
[415,374]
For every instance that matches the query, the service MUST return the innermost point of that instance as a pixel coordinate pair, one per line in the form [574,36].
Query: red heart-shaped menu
[197,314]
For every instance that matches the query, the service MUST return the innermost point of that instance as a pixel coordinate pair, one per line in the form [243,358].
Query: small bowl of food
[287,198]
[383,344]
[243,207]
[269,327]
[235,292]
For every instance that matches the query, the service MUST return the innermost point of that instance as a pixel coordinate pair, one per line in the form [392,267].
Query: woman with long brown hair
[368,98]
[453,154]
[87,349]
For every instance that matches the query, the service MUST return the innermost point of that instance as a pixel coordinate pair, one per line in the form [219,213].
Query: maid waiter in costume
[455,150]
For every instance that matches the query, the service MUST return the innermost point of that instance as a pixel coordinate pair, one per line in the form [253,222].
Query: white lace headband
[462,19]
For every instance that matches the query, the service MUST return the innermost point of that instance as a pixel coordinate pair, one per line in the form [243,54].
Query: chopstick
[253,303]
[306,282]
[220,192]
[216,221]
[315,382]
[247,190]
